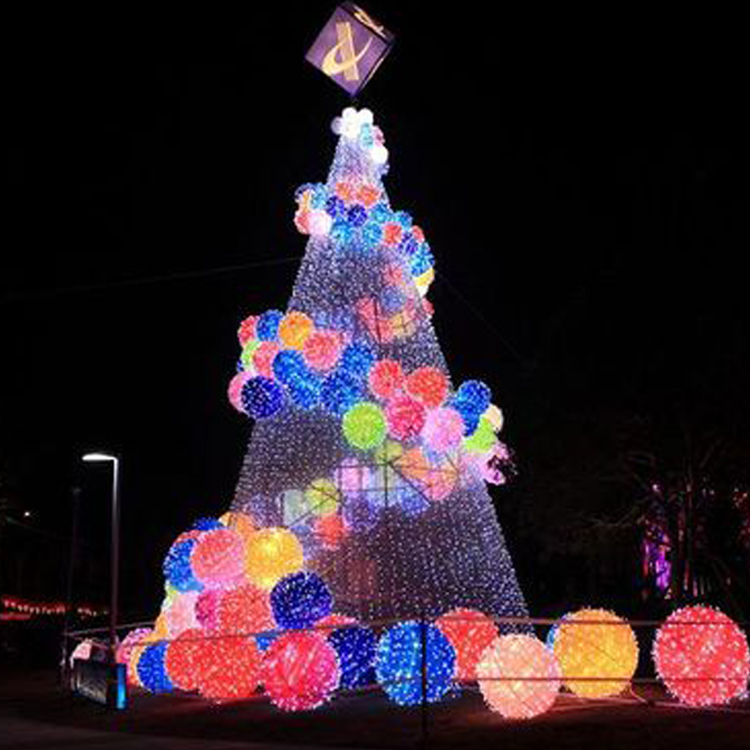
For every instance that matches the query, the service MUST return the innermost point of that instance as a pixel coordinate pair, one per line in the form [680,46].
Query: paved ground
[36,713]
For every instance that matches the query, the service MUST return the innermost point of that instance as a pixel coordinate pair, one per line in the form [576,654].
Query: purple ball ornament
[262,397]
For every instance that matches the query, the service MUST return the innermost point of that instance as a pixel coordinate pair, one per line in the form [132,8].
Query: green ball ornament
[482,439]
[247,353]
[364,425]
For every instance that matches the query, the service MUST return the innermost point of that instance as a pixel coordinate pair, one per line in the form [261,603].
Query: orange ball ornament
[294,329]
[272,553]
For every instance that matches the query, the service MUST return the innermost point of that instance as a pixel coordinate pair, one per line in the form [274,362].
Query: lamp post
[115,546]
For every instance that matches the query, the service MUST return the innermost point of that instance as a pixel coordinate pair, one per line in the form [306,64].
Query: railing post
[423,711]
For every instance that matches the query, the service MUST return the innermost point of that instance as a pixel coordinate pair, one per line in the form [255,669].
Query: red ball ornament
[181,656]
[246,610]
[217,557]
[405,417]
[330,530]
[300,671]
[470,632]
[228,668]
[386,377]
[429,385]
[702,656]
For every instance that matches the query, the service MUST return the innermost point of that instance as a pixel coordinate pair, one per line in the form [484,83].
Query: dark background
[582,182]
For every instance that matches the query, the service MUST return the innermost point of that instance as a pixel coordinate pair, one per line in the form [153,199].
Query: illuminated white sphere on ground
[518,676]
[702,656]
[594,644]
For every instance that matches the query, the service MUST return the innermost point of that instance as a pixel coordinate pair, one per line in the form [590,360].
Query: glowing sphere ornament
[405,417]
[322,350]
[364,425]
[470,632]
[300,600]
[702,656]
[234,391]
[330,530]
[207,609]
[536,673]
[151,671]
[229,669]
[443,429]
[177,569]
[399,663]
[262,397]
[129,642]
[339,392]
[295,328]
[246,331]
[263,358]
[355,647]
[267,327]
[322,497]
[180,615]
[300,671]
[356,359]
[386,376]
[217,556]
[272,553]
[596,643]
[429,385]
[181,657]
[245,609]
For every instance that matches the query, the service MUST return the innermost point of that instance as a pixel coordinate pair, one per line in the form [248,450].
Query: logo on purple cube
[350,48]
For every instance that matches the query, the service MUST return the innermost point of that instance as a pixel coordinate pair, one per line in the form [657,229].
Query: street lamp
[115,546]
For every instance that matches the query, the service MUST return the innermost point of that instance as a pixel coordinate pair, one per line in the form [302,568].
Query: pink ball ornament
[207,609]
[319,223]
[322,350]
[443,429]
[234,392]
[405,417]
[702,656]
[535,667]
[180,615]
[263,358]
[217,557]
[300,671]
[385,378]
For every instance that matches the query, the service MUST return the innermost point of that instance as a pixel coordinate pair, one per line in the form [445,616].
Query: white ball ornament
[379,154]
[319,223]
[336,125]
[365,117]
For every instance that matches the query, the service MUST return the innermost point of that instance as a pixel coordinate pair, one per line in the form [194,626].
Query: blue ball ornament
[289,366]
[356,215]
[176,567]
[372,235]
[421,260]
[355,646]
[342,231]
[306,393]
[262,397]
[399,663]
[475,394]
[404,219]
[409,244]
[264,640]
[381,214]
[357,359]
[267,327]
[300,600]
[151,670]
[335,207]
[206,524]
[340,391]
[319,196]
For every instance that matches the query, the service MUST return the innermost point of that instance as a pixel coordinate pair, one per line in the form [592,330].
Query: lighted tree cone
[702,657]
[300,671]
[598,646]
[470,632]
[518,676]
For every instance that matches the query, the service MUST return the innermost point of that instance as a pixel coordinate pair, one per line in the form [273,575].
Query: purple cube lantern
[350,48]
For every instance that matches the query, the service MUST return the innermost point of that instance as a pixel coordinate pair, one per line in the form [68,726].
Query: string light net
[595,644]
[352,367]
[518,676]
[702,657]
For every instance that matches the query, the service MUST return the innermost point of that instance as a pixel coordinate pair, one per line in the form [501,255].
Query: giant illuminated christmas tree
[362,448]
[361,544]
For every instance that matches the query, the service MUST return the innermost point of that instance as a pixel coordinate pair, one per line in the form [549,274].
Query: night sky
[587,207]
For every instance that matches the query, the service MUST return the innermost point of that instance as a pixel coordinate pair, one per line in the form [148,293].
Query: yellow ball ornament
[596,643]
[272,553]
[242,523]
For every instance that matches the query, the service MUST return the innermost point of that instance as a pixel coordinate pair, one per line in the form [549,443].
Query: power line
[122,283]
